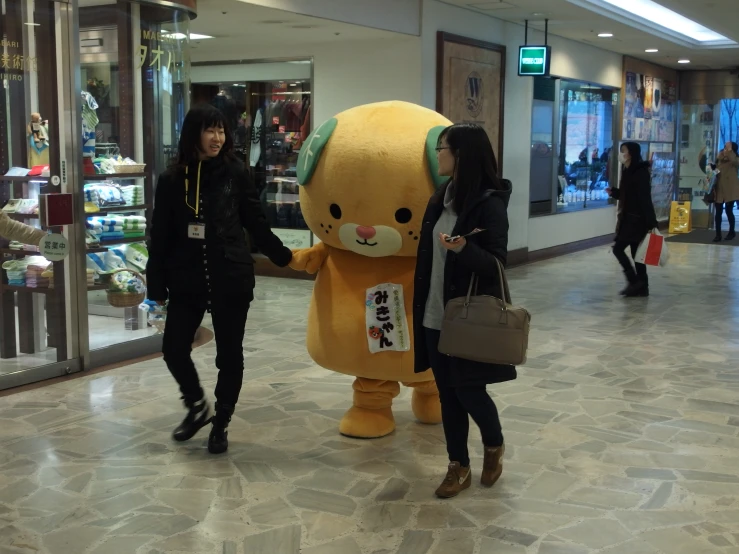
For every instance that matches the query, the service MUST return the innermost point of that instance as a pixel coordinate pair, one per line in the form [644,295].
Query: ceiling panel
[573,22]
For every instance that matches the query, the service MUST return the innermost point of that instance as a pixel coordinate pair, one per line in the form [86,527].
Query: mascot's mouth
[365,243]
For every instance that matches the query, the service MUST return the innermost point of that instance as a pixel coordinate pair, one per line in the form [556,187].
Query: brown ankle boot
[492,467]
[457,479]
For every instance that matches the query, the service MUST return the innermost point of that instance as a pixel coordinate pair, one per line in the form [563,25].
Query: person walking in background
[200,260]
[727,189]
[474,198]
[636,216]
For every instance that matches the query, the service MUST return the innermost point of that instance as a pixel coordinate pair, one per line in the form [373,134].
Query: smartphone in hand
[457,237]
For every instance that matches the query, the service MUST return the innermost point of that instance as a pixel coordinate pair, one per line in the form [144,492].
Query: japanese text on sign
[54,248]
[387,325]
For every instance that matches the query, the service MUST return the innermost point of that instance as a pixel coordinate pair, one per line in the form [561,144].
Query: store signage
[12,64]
[534,61]
[54,247]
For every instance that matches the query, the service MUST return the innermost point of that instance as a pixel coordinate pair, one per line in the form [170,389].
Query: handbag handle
[502,279]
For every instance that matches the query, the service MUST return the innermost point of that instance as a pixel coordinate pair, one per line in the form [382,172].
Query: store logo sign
[534,60]
[474,93]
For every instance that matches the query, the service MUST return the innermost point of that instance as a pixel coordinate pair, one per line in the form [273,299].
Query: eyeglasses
[440,148]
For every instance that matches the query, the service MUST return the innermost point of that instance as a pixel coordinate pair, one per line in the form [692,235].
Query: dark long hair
[475,166]
[735,148]
[634,151]
[197,120]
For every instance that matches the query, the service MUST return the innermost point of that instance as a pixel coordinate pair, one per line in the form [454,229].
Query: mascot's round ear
[311,150]
[432,141]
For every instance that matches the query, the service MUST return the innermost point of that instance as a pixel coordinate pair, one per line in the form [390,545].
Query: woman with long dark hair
[474,199]
[636,216]
[727,189]
[200,261]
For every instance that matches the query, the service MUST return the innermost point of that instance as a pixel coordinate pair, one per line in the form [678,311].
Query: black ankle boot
[218,440]
[717,238]
[198,416]
[730,236]
[637,289]
[631,281]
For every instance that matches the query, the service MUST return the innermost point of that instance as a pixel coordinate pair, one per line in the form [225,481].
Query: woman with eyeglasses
[473,202]
[199,261]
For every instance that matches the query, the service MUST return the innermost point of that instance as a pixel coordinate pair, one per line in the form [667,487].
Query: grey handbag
[484,328]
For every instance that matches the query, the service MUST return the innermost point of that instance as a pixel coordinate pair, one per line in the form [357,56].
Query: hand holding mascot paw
[306,259]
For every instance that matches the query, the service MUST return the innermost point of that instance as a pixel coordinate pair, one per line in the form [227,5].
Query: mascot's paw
[362,423]
[306,259]
[426,407]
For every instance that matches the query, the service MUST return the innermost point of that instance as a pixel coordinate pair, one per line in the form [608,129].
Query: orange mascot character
[366,176]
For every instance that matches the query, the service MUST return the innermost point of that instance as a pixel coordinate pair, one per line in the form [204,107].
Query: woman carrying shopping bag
[636,216]
[199,259]
[726,191]
[473,203]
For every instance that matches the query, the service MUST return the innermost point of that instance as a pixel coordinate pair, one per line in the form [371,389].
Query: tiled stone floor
[622,436]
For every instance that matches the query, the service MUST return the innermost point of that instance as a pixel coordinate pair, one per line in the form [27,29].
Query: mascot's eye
[403,215]
[335,211]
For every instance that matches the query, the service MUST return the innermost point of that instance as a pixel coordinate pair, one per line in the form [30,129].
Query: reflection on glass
[586,139]
[269,121]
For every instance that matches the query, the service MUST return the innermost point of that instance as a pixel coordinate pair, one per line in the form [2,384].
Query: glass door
[39,140]
[698,148]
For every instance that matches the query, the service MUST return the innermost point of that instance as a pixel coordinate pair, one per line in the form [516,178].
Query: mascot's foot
[363,423]
[426,407]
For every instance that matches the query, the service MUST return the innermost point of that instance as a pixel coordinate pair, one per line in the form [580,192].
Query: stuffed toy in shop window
[366,176]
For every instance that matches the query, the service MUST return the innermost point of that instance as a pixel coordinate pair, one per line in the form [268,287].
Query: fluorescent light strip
[664,17]
[183,36]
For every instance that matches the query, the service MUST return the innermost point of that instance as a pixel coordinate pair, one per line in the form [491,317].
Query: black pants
[729,206]
[458,403]
[184,316]
[638,274]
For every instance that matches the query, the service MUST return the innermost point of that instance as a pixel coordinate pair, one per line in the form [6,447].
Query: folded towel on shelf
[112,236]
[137,255]
[109,220]
[134,226]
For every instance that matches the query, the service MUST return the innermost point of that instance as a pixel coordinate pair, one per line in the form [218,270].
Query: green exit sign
[534,61]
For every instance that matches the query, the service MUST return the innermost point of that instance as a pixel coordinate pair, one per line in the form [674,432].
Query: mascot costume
[366,176]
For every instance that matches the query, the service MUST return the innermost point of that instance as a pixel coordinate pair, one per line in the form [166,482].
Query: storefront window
[35,293]
[585,153]
[135,78]
[270,118]
[574,129]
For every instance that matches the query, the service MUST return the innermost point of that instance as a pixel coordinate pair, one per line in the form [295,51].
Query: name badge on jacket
[196,231]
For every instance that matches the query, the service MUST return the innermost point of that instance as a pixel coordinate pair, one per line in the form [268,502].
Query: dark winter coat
[636,215]
[229,203]
[488,212]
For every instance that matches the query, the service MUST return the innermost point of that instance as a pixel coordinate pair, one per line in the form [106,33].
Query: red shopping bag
[652,250]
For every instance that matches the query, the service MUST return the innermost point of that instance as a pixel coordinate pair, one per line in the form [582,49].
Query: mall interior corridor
[622,436]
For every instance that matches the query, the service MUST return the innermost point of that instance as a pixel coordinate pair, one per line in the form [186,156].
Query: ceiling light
[683,61]
[182,36]
[664,17]
[651,50]
[605,35]
[33,24]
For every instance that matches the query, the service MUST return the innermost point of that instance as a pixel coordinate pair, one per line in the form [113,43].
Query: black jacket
[228,204]
[636,215]
[488,212]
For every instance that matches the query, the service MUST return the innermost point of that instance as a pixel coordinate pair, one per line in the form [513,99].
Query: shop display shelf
[42,290]
[104,245]
[26,179]
[121,209]
[21,217]
[114,176]
[20,252]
